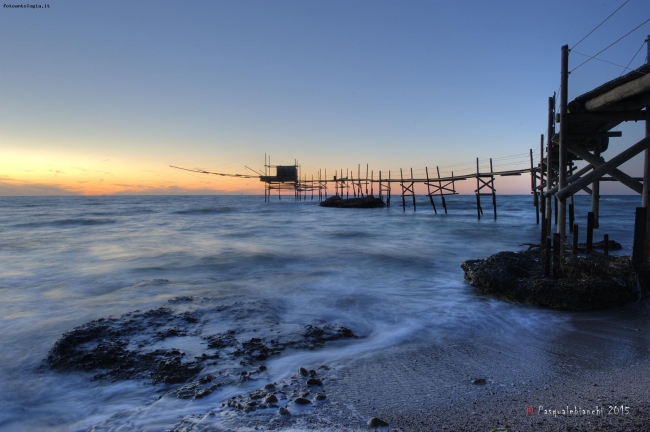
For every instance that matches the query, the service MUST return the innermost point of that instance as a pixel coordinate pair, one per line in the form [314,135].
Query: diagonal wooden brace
[604,168]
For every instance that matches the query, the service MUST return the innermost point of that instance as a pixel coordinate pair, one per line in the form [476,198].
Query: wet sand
[591,373]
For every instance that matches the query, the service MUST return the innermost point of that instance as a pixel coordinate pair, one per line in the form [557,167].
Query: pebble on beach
[375,422]
[314,382]
[479,381]
[302,371]
[270,399]
[302,401]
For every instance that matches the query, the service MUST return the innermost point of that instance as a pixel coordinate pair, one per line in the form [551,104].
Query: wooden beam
[620,93]
[615,172]
[603,169]
[614,134]
[617,116]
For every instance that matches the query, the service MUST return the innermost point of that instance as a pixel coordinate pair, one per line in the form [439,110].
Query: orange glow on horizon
[26,173]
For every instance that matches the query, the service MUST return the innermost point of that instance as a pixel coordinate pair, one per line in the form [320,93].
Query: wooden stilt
[595,193]
[433,204]
[442,195]
[533,183]
[639,236]
[557,255]
[590,232]
[479,210]
[562,164]
[413,189]
[547,256]
[494,192]
[402,185]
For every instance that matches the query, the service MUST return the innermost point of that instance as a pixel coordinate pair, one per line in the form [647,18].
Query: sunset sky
[100,97]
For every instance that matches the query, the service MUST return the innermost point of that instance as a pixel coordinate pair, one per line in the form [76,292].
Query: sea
[390,275]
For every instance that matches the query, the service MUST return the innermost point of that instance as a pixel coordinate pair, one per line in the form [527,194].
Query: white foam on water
[388,275]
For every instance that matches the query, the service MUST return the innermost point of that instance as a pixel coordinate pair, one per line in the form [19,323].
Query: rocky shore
[143,345]
[365,202]
[591,282]
[204,349]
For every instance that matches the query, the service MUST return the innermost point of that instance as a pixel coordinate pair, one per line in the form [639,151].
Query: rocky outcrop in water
[585,283]
[365,202]
[146,345]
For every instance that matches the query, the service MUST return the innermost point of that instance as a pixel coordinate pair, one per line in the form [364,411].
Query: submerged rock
[611,245]
[376,422]
[365,202]
[140,345]
[585,283]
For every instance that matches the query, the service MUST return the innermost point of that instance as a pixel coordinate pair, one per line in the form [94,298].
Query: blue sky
[101,96]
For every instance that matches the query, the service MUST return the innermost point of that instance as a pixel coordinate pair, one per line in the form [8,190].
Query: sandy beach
[592,375]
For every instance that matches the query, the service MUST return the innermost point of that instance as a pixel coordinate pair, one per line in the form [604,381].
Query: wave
[67,223]
[351,234]
[204,211]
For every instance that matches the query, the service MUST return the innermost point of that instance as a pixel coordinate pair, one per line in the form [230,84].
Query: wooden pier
[346,185]
[585,128]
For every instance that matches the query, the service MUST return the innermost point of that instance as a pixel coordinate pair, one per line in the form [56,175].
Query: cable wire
[611,45]
[637,53]
[595,28]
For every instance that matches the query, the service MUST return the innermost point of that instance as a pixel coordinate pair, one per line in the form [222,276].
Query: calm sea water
[389,275]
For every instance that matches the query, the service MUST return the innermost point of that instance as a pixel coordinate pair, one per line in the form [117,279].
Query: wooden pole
[590,232]
[595,192]
[562,165]
[533,183]
[389,188]
[413,189]
[442,195]
[542,201]
[478,194]
[645,200]
[549,161]
[367,179]
[575,239]
[557,255]
[401,175]
[359,179]
[547,256]
[380,187]
[494,192]
[571,202]
[639,236]
[347,184]
[429,191]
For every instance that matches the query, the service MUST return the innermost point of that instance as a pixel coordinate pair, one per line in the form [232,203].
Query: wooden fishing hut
[585,127]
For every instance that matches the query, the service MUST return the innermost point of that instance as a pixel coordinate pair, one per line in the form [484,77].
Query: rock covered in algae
[584,283]
[365,202]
